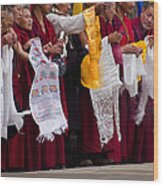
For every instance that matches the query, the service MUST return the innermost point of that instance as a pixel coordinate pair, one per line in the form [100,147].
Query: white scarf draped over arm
[10,114]
[70,25]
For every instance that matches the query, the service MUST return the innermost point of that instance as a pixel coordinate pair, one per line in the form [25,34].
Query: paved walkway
[110,172]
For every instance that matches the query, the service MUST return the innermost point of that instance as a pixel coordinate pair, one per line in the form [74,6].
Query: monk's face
[147,18]
[127,7]
[45,8]
[26,19]
[109,10]
[17,11]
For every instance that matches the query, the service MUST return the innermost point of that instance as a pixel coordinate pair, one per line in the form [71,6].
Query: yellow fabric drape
[89,67]
[77,8]
[141,44]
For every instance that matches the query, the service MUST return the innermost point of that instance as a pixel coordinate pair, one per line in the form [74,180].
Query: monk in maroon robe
[114,38]
[49,154]
[7,20]
[91,146]
[143,148]
[15,143]
[121,24]
[127,105]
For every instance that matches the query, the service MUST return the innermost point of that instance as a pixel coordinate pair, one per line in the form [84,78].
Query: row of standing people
[80,143]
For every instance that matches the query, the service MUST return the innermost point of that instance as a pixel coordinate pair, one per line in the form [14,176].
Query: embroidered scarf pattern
[44,99]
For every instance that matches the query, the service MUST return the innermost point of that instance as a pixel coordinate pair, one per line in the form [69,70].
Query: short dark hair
[148,4]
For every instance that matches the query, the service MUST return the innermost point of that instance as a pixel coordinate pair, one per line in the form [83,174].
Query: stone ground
[143,172]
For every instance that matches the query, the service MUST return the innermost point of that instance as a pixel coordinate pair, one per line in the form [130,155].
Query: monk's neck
[16,22]
[38,14]
[40,17]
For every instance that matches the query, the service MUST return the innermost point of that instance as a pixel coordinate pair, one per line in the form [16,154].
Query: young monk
[49,152]
[17,12]
[143,148]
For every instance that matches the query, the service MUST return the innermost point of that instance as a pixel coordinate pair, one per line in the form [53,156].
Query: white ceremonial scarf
[44,98]
[1,95]
[132,68]
[147,86]
[10,115]
[105,100]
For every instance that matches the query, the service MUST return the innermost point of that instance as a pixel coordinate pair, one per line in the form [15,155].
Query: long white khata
[9,114]
[44,98]
[132,68]
[105,100]
[147,86]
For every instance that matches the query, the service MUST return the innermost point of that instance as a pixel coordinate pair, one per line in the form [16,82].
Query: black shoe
[102,161]
[86,163]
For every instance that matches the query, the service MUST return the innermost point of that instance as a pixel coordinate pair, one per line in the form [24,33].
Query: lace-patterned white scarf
[105,99]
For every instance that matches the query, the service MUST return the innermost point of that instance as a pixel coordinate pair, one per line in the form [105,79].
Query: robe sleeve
[70,25]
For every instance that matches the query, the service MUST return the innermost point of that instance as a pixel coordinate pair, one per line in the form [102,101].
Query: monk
[123,25]
[15,143]
[6,38]
[71,80]
[114,38]
[49,154]
[92,151]
[143,148]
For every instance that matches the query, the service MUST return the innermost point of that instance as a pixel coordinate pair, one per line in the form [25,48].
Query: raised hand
[115,37]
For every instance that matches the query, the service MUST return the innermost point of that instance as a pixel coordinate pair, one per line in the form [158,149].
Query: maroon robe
[90,142]
[17,72]
[127,105]
[121,29]
[144,134]
[116,49]
[106,29]
[103,27]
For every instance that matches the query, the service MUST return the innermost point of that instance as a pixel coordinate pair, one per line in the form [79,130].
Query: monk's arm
[19,50]
[70,25]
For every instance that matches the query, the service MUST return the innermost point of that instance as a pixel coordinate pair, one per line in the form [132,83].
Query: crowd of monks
[79,145]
